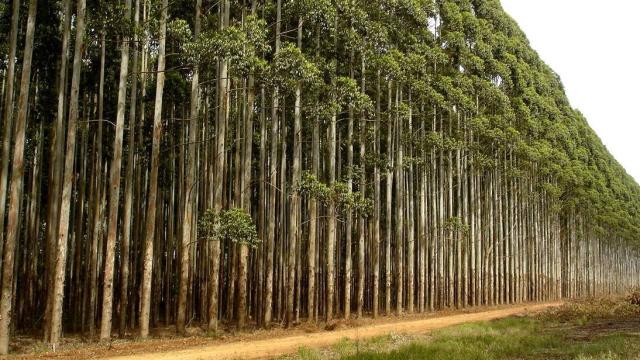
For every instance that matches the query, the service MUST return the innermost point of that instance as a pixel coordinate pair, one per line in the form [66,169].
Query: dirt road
[259,349]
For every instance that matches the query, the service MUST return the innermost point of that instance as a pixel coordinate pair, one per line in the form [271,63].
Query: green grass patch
[512,338]
[594,329]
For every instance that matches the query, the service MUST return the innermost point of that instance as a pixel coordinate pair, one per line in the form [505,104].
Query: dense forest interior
[230,164]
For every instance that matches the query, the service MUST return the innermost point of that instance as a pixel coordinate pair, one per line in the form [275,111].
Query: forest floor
[588,329]
[259,344]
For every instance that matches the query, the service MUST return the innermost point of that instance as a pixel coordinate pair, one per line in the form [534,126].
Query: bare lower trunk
[268,303]
[145,295]
[191,196]
[114,190]
[7,119]
[220,156]
[67,182]
[376,203]
[331,228]
[16,184]
[295,197]
[129,179]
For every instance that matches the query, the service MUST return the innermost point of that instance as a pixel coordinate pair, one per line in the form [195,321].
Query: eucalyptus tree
[191,198]
[129,180]
[60,258]
[114,187]
[7,113]
[305,159]
[16,184]
[145,293]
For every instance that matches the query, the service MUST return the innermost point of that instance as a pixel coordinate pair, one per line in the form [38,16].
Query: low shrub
[595,308]
[634,297]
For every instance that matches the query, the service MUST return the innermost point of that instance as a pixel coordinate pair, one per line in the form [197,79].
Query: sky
[594,46]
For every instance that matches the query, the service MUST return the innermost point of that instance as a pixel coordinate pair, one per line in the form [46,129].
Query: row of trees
[224,163]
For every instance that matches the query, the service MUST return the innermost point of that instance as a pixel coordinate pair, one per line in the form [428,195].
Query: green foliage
[290,66]
[320,13]
[339,192]
[110,18]
[310,186]
[178,30]
[456,224]
[234,224]
[240,44]
[346,92]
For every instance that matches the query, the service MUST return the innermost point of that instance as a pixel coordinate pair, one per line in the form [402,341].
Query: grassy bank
[589,329]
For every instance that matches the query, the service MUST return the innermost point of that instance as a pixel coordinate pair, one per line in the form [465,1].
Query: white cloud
[595,48]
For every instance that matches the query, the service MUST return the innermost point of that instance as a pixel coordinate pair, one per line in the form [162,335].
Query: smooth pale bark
[31,296]
[433,220]
[422,231]
[99,193]
[388,204]
[473,286]
[268,303]
[376,202]
[67,180]
[16,184]
[55,171]
[145,295]
[220,157]
[262,211]
[245,191]
[129,180]
[450,233]
[78,244]
[7,118]
[410,216]
[457,233]
[348,264]
[400,189]
[294,235]
[282,236]
[114,189]
[331,221]
[362,190]
[313,225]
[191,196]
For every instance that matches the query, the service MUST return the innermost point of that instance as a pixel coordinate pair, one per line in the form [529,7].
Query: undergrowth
[590,329]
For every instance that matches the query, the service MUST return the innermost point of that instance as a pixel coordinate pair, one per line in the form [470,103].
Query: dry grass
[595,308]
[590,329]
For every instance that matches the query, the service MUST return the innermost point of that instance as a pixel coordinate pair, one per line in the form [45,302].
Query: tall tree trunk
[16,183]
[221,130]
[145,296]
[246,190]
[268,304]
[388,203]
[55,171]
[399,206]
[313,222]
[331,226]
[114,189]
[97,206]
[410,216]
[294,236]
[7,119]
[129,179]
[67,181]
[348,262]
[191,196]
[361,189]
[376,201]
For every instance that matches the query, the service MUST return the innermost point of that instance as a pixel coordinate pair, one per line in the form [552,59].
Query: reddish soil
[259,344]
